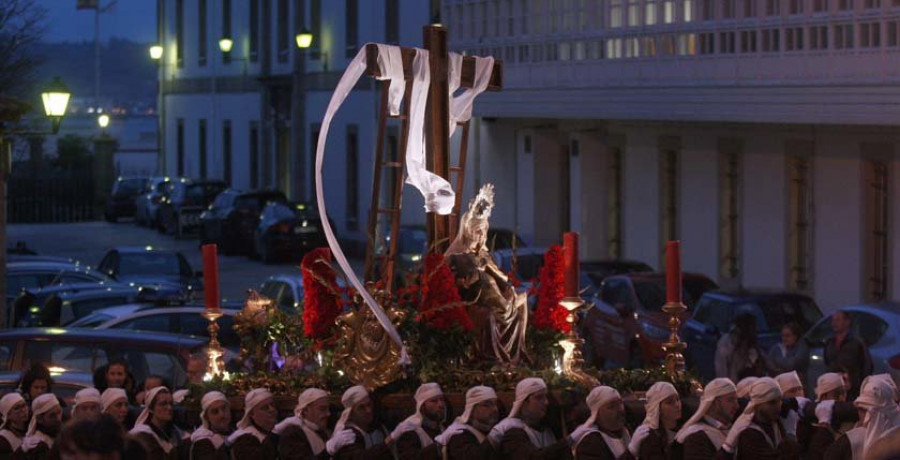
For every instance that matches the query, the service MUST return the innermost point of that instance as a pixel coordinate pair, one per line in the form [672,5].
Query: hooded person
[355,433]
[208,441]
[882,414]
[704,433]
[303,435]
[790,384]
[46,420]
[114,402]
[758,432]
[522,434]
[14,411]
[87,405]
[743,387]
[252,439]
[152,427]
[793,419]
[603,435]
[414,437]
[467,437]
[654,437]
[826,429]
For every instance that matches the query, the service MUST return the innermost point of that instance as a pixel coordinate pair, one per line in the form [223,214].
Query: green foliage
[73,152]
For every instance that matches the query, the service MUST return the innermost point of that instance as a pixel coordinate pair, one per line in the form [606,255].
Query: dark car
[287,232]
[595,271]
[157,269]
[31,274]
[65,384]
[716,311]
[185,320]
[184,201]
[30,301]
[121,201]
[232,219]
[147,203]
[626,324]
[86,350]
[60,309]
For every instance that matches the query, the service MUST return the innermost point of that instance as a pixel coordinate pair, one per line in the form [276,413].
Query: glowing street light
[304,39]
[103,121]
[156,52]
[55,98]
[225,44]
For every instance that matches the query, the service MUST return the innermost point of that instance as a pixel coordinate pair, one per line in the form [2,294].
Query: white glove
[340,440]
[579,433]
[802,402]
[790,423]
[444,437]
[497,432]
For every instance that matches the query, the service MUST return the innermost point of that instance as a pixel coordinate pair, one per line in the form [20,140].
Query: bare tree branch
[22,24]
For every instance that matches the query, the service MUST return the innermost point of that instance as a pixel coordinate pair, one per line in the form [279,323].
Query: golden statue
[365,352]
[499,314]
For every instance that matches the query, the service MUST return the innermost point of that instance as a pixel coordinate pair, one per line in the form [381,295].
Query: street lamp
[103,121]
[55,98]
[304,39]
[225,44]
[156,52]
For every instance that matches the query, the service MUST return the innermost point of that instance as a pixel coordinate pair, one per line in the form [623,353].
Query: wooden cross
[441,229]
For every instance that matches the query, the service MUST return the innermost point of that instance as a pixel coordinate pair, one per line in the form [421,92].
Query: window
[351,28]
[727,42]
[283,16]
[872,4]
[843,36]
[748,41]
[352,177]
[799,220]
[773,7]
[614,203]
[729,208]
[713,312]
[615,13]
[728,8]
[315,25]
[687,44]
[650,9]
[226,27]
[707,43]
[795,7]
[667,45]
[669,185]
[793,37]
[614,48]
[523,18]
[565,51]
[254,30]
[254,154]
[877,230]
[7,350]
[80,357]
[750,8]
[202,39]
[226,151]
[688,6]
[201,143]
[771,40]
[893,33]
[845,5]
[179,33]
[818,37]
[179,145]
[633,13]
[632,49]
[196,325]
[707,10]
[819,6]
[668,11]
[870,35]
[392,20]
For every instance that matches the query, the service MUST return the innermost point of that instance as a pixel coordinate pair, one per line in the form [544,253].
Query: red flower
[322,302]
[441,305]
[550,315]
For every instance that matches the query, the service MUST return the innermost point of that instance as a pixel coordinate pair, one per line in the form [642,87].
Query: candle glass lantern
[214,353]
[572,361]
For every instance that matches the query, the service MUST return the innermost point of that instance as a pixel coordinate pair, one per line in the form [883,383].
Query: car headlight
[654,332]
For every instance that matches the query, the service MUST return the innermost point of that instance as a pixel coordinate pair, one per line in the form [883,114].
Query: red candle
[673,272]
[211,276]
[570,264]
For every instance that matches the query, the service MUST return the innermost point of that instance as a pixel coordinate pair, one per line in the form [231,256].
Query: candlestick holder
[674,347]
[214,352]
[572,361]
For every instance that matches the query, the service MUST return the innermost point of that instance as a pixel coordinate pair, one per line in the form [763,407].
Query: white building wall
[641,237]
[764,213]
[592,166]
[699,206]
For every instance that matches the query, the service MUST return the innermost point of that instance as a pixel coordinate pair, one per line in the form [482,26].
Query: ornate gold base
[214,353]
[573,363]
[674,347]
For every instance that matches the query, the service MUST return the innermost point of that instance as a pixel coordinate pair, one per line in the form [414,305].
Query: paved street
[89,241]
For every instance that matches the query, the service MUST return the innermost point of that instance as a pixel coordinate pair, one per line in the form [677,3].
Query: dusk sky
[131,19]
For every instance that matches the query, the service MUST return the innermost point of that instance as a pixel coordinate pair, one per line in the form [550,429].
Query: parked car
[158,269]
[287,232]
[525,262]
[65,384]
[121,200]
[184,201]
[21,275]
[286,291]
[716,311]
[31,300]
[877,324]
[232,219]
[62,308]
[626,323]
[86,350]
[593,272]
[147,203]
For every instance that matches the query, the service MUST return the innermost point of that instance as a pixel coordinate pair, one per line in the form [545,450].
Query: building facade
[761,133]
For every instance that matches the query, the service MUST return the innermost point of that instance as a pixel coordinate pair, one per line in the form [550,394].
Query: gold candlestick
[572,360]
[674,347]
[214,352]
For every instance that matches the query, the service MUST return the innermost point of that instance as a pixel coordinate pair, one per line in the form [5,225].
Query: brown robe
[465,446]
[409,447]
[697,446]
[40,452]
[840,449]
[358,451]
[248,446]
[154,450]
[294,445]
[752,445]
[6,450]
[205,450]
[593,447]
[655,446]
[516,445]
[820,439]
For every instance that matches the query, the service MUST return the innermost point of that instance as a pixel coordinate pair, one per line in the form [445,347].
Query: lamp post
[103,122]
[304,40]
[55,99]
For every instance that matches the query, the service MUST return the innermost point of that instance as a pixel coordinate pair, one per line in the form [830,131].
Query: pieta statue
[499,314]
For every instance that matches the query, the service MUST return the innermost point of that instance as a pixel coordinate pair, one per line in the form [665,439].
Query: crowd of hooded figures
[758,418]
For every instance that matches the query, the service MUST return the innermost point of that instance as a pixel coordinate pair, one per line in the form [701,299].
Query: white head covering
[425,392]
[827,383]
[882,413]
[655,396]
[110,396]
[207,401]
[597,398]
[763,390]
[309,396]
[524,389]
[86,395]
[350,399]
[41,405]
[887,379]
[474,396]
[788,381]
[252,400]
[149,398]
[714,389]
[743,387]
[6,404]
[204,432]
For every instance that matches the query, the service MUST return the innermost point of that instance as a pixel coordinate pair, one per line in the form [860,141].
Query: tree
[22,24]
[73,152]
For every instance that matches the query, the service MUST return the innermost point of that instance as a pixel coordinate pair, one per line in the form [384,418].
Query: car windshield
[777,312]
[281,212]
[130,186]
[203,193]
[863,325]
[149,263]
[652,292]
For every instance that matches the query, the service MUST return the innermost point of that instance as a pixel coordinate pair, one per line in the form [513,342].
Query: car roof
[109,291]
[587,264]
[142,249]
[85,379]
[72,287]
[745,295]
[44,265]
[526,251]
[18,258]
[140,313]
[888,308]
[99,335]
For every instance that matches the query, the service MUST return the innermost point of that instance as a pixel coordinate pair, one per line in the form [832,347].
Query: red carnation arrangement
[441,306]
[550,315]
[322,302]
